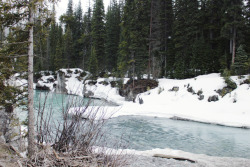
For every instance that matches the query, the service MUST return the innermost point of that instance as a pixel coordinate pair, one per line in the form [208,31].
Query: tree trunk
[150,36]
[234,45]
[31,117]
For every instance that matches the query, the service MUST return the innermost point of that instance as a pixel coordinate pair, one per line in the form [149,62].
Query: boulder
[213,98]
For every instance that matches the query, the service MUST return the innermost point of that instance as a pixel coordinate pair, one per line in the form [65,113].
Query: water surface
[146,133]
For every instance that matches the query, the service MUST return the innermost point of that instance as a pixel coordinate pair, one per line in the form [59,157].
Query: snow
[44,81]
[160,102]
[17,81]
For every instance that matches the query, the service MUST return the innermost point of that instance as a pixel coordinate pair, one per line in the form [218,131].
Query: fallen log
[173,157]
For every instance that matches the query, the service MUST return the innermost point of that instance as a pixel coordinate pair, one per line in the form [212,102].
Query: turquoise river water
[146,133]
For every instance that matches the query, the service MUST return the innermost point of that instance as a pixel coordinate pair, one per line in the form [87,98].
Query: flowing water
[146,133]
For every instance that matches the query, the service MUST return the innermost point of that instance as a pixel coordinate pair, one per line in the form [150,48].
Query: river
[146,133]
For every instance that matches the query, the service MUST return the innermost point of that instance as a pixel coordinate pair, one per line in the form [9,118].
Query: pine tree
[86,40]
[93,62]
[59,60]
[68,48]
[78,31]
[123,64]
[98,33]
[247,29]
[241,61]
[211,31]
[181,40]
[166,37]
[112,35]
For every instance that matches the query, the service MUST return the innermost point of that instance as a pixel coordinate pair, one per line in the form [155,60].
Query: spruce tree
[247,29]
[93,62]
[123,64]
[86,40]
[241,61]
[68,48]
[166,37]
[98,33]
[78,31]
[112,35]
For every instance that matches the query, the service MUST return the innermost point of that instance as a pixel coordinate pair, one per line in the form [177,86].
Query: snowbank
[161,102]
[231,110]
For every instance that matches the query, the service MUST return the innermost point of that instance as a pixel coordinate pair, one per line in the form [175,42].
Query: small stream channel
[146,133]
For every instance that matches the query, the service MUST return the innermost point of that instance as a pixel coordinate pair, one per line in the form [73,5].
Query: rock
[190,89]
[213,98]
[175,88]
[132,88]
[105,83]
[199,92]
[92,82]
[88,93]
[51,79]
[140,101]
[201,97]
[41,87]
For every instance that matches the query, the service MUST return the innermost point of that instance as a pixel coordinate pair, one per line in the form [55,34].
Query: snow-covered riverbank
[177,99]
[231,110]
[171,99]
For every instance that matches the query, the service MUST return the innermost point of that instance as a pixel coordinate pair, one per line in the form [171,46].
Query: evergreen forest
[160,38]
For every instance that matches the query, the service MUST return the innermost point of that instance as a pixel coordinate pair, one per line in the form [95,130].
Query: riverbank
[188,99]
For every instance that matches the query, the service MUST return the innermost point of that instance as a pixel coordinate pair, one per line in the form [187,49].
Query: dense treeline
[163,38]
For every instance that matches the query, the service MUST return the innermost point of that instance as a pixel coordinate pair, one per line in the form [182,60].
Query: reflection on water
[146,133]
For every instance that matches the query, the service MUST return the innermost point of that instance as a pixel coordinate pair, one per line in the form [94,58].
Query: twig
[19,164]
